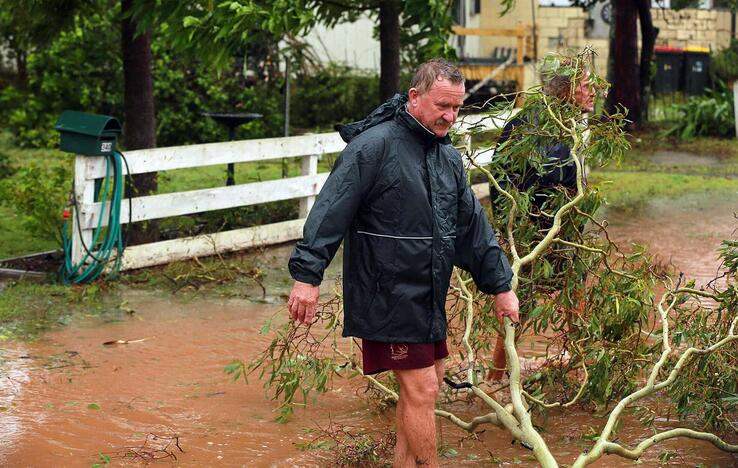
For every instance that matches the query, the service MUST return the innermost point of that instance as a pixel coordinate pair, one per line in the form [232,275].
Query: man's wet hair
[558,86]
[429,72]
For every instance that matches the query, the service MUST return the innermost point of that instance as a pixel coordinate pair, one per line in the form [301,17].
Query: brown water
[67,397]
[686,232]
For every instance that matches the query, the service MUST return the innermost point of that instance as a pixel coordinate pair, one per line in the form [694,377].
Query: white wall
[469,19]
[350,44]
[353,44]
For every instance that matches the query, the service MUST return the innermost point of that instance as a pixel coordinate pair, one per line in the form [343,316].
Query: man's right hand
[506,305]
[303,301]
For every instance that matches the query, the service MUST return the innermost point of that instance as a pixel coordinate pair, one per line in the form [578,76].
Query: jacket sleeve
[477,250]
[347,185]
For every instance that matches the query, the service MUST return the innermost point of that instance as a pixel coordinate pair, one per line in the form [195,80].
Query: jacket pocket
[380,311]
[376,288]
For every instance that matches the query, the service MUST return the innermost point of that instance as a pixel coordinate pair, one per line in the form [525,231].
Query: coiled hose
[107,242]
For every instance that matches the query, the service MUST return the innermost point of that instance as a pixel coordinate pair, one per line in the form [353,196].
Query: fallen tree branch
[596,250]
[635,453]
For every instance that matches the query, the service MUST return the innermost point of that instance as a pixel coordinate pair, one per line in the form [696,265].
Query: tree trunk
[389,48]
[648,41]
[21,77]
[611,49]
[626,87]
[138,113]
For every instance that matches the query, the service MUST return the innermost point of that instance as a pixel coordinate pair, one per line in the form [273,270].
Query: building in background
[350,44]
[558,27]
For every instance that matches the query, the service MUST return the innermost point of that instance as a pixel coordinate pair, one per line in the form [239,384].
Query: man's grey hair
[429,72]
[558,86]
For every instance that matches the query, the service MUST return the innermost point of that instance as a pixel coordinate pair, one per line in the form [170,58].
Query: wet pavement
[681,159]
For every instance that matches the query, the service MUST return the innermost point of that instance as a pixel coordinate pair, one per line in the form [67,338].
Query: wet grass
[236,275]
[28,309]
[180,180]
[15,240]
[723,152]
[632,190]
[645,143]
[257,275]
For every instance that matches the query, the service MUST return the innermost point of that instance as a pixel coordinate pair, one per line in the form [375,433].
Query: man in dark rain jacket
[399,199]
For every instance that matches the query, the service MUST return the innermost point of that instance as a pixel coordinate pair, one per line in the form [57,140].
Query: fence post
[84,193]
[309,166]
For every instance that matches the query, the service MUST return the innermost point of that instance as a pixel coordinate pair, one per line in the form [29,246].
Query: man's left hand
[506,305]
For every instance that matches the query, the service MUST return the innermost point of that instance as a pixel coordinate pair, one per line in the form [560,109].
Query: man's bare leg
[499,359]
[440,371]
[403,457]
[416,421]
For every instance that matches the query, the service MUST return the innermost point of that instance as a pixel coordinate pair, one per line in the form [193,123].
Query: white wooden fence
[305,187]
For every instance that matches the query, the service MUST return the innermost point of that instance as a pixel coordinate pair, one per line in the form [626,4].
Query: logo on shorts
[398,352]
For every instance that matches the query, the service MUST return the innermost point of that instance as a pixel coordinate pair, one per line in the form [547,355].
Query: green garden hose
[107,243]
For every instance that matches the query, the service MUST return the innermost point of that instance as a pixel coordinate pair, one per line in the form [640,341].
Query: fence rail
[304,187]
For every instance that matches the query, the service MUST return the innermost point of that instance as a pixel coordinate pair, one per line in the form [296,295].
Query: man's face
[437,108]
[584,94]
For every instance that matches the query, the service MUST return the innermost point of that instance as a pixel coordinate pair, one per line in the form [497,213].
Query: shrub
[185,89]
[38,194]
[79,70]
[725,62]
[6,169]
[82,70]
[334,94]
[708,115]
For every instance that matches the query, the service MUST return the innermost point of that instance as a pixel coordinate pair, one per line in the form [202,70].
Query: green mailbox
[88,134]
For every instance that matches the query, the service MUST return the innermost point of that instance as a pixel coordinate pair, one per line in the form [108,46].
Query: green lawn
[723,151]
[633,189]
[640,181]
[215,176]
[14,240]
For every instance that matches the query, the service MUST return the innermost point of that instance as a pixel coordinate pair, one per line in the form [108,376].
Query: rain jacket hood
[398,198]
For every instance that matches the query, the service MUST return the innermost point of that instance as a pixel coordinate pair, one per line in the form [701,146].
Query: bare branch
[635,453]
[651,387]
[595,250]
[558,403]
[467,297]
[489,418]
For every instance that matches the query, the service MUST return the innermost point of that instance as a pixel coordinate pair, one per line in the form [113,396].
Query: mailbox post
[85,135]
[88,134]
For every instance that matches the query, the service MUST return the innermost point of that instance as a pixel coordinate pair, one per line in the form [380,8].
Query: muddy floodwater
[66,398]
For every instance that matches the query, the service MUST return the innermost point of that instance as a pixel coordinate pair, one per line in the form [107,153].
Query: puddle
[685,232]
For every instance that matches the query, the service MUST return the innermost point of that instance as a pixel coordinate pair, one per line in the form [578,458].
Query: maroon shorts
[379,356]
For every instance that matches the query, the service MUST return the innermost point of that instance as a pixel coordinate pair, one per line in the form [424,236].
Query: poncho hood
[383,113]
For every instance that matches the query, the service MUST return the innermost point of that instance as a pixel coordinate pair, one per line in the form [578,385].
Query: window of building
[476,7]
